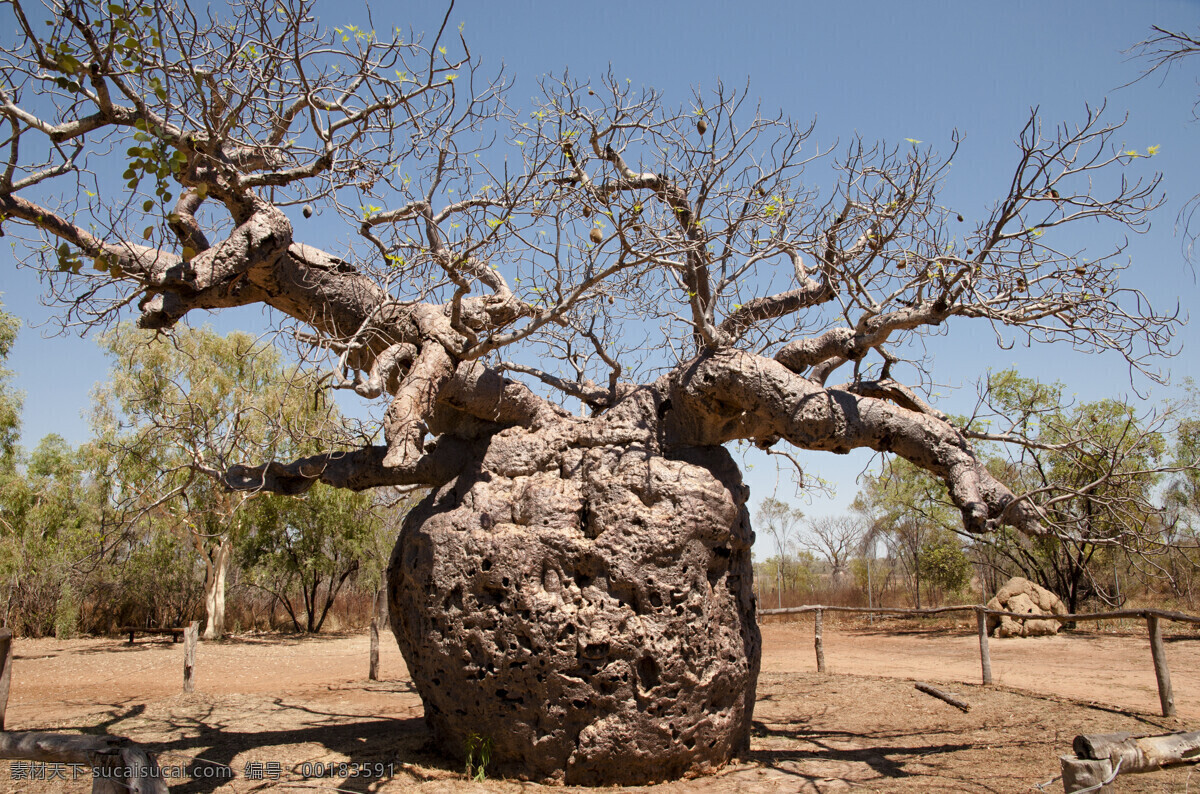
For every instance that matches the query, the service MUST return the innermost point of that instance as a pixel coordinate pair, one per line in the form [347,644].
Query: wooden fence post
[1079,774]
[1165,696]
[373,674]
[190,635]
[6,657]
[817,643]
[985,656]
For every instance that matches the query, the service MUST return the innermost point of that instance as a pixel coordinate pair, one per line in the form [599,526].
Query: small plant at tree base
[479,756]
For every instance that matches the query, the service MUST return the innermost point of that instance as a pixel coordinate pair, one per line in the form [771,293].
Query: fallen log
[946,696]
[120,765]
[1140,753]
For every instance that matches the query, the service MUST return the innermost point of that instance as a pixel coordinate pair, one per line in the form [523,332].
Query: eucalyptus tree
[172,413]
[912,513]
[1182,529]
[1094,469]
[780,521]
[304,552]
[568,310]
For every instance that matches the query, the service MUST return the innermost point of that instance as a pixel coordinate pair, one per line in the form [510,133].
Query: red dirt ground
[300,702]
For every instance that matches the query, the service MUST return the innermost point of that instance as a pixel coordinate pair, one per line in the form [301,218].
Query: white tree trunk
[214,588]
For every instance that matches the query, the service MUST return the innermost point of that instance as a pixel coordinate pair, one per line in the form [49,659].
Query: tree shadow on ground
[1181,638]
[1165,724]
[152,641]
[211,751]
[904,631]
[208,748]
[886,760]
[372,744]
[123,646]
[287,639]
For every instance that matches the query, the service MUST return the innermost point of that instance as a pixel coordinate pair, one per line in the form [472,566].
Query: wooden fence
[1153,618]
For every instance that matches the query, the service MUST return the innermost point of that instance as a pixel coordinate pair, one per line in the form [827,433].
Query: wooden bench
[176,633]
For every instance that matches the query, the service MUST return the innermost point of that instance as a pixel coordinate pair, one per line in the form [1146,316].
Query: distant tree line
[1121,485]
[129,529]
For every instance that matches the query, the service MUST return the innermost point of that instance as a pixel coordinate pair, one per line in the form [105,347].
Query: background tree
[1095,468]
[944,566]
[50,538]
[781,522]
[487,298]
[170,413]
[313,546]
[51,528]
[911,512]
[1181,521]
[835,539]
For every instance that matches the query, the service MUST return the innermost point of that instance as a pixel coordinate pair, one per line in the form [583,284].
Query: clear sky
[884,70]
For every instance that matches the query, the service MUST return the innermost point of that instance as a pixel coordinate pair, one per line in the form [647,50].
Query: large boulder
[1021,595]
[585,608]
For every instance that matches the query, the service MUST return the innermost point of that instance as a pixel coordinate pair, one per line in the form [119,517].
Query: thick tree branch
[727,396]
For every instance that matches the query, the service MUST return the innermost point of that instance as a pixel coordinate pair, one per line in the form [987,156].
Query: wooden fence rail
[1153,618]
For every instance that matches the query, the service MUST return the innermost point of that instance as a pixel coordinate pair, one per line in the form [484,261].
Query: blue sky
[884,70]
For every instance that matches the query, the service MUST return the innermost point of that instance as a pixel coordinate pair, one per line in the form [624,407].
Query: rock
[585,607]
[1021,595]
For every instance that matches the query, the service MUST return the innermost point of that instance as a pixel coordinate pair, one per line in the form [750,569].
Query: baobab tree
[1160,53]
[568,310]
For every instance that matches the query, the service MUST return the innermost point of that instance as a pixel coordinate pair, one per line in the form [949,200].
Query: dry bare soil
[304,703]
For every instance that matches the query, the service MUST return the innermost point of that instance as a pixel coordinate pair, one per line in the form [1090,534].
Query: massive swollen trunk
[576,593]
[580,597]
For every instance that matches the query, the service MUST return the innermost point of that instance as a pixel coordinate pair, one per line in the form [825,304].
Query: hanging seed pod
[1080,271]
[970,251]
[637,228]
[587,212]
[960,218]
[701,126]
[611,300]
[596,236]
[307,211]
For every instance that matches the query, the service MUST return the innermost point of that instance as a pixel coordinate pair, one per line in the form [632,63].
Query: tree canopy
[600,247]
